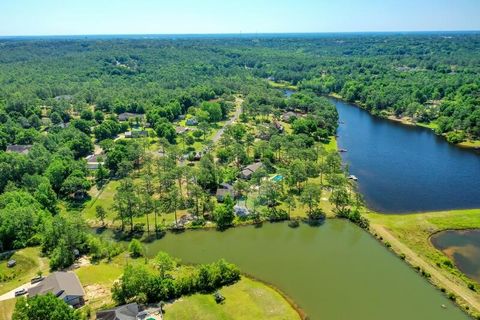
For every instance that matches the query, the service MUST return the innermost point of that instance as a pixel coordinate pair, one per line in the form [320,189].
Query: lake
[335,271]
[405,168]
[463,247]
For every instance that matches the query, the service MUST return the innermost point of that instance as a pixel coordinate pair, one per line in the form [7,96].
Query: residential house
[94,161]
[125,312]
[249,170]
[223,190]
[64,285]
[191,122]
[287,116]
[19,148]
[128,115]
[180,129]
[136,134]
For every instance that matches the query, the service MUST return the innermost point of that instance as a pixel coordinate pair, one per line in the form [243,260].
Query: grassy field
[247,299]
[28,264]
[6,309]
[282,85]
[97,281]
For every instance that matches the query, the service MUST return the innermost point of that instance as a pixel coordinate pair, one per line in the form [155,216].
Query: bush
[451,296]
[135,248]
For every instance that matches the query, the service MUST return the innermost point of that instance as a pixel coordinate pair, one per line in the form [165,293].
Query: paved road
[238,112]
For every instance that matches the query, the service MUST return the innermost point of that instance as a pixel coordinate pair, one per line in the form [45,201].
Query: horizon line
[236,34]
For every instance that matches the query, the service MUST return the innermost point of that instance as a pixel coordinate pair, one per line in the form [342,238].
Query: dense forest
[61,101]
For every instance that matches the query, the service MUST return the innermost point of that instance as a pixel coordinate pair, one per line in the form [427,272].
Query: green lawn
[28,264]
[415,230]
[247,299]
[6,309]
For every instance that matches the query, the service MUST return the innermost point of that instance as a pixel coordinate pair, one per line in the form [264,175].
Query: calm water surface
[463,246]
[334,272]
[406,169]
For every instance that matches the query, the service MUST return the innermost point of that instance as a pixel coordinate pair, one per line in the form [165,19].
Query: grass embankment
[29,263]
[247,299]
[409,236]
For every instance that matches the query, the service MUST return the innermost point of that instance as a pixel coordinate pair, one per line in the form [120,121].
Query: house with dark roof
[125,312]
[129,115]
[19,148]
[249,170]
[223,190]
[64,285]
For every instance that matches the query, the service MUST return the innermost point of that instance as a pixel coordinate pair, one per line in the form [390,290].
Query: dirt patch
[95,291]
[81,262]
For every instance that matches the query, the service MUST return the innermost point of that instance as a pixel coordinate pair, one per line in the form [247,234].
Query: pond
[463,247]
[335,271]
[405,168]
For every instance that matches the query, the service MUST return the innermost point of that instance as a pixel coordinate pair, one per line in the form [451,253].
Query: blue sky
[70,17]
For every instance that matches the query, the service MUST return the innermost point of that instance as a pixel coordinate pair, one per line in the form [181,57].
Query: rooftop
[60,284]
[19,148]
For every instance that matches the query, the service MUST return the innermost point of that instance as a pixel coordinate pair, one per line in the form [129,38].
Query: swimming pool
[277,178]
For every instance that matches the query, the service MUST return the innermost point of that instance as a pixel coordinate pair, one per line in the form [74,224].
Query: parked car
[36,279]
[20,292]
[11,263]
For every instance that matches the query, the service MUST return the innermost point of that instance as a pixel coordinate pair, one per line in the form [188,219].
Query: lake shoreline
[425,260]
[468,144]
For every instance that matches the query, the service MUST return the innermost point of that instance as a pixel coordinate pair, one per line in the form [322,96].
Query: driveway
[238,112]
[11,294]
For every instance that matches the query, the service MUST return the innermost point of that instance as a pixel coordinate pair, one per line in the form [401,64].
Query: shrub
[451,296]
[135,248]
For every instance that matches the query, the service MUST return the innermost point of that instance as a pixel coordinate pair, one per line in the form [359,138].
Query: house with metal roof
[19,148]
